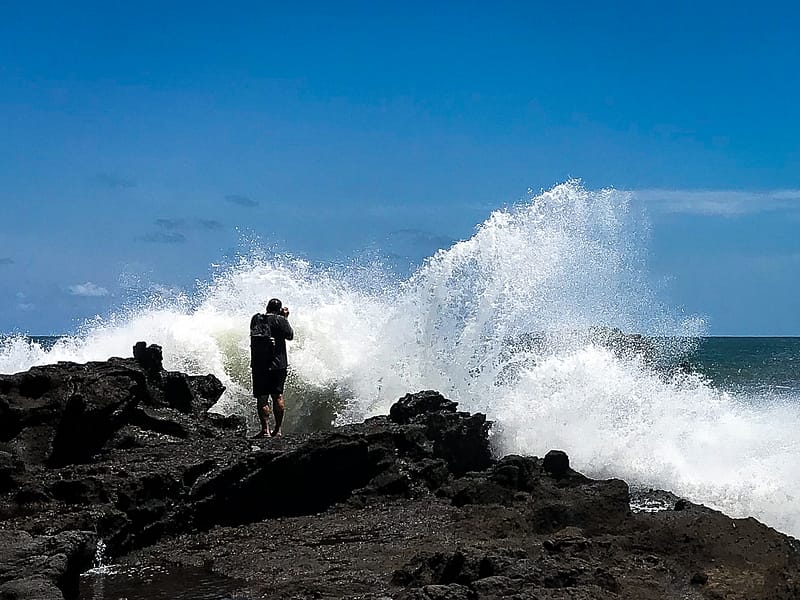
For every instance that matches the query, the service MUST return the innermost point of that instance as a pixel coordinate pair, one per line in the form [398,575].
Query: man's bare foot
[276,433]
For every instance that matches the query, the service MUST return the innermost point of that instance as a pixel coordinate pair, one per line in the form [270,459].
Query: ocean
[521,321]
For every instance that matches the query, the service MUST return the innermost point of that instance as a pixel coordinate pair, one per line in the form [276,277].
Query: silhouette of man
[268,362]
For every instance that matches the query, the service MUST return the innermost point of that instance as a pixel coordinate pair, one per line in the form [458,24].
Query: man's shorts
[268,382]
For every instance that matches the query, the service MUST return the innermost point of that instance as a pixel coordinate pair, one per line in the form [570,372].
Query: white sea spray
[505,323]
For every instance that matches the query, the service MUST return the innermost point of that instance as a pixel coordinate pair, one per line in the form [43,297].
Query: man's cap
[274,305]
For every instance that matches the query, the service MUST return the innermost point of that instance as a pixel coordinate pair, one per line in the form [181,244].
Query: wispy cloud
[113,181]
[241,200]
[23,304]
[189,224]
[170,224]
[5,260]
[209,224]
[722,203]
[88,290]
[162,237]
[172,230]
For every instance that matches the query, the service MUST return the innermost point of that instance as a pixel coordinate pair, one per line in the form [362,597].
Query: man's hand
[285,311]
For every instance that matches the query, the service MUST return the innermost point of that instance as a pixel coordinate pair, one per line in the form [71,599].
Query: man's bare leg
[277,407]
[262,405]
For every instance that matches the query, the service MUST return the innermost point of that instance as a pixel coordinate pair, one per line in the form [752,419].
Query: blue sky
[145,142]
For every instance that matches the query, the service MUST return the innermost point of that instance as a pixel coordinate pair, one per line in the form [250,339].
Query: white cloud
[22,303]
[723,203]
[88,289]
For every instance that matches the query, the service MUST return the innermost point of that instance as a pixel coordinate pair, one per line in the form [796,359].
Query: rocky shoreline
[407,506]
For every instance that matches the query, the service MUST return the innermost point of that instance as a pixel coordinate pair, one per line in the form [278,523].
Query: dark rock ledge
[406,506]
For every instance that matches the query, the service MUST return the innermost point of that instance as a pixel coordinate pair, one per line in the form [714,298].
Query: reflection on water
[152,582]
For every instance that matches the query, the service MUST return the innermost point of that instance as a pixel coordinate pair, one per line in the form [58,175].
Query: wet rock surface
[406,506]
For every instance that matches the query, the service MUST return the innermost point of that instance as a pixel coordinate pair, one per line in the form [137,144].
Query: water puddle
[155,582]
[649,500]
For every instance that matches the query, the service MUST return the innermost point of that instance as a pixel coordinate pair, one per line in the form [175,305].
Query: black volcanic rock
[305,480]
[413,405]
[411,505]
[66,413]
[150,358]
[10,467]
[40,567]
[556,462]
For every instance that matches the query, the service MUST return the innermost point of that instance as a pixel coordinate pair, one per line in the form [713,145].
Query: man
[268,361]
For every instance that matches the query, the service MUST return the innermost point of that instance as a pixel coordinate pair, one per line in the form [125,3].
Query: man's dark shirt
[260,356]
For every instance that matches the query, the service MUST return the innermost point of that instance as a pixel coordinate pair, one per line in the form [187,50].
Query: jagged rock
[462,567]
[9,468]
[66,413]
[206,390]
[567,539]
[236,423]
[177,392]
[163,421]
[422,403]
[87,490]
[556,462]
[459,438]
[477,489]
[70,411]
[30,588]
[595,506]
[440,592]
[150,358]
[502,483]
[307,480]
[33,567]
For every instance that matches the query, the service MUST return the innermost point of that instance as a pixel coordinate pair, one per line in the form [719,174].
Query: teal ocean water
[757,367]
